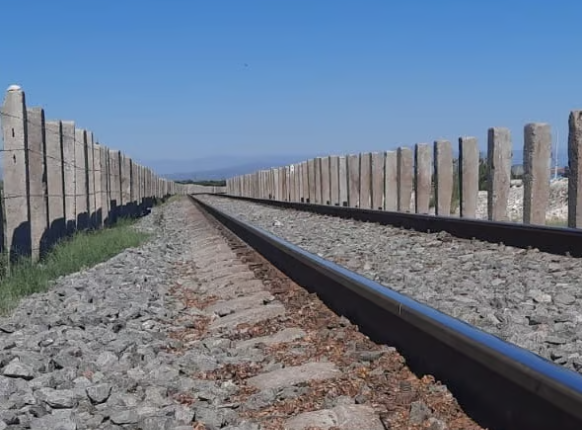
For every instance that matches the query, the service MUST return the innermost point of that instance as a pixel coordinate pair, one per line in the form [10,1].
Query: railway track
[499,384]
[295,364]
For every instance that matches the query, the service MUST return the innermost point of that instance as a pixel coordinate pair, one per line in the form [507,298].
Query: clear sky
[183,79]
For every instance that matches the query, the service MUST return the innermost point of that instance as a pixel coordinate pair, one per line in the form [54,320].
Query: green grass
[83,250]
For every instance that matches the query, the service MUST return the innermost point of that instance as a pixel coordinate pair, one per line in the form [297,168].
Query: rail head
[542,378]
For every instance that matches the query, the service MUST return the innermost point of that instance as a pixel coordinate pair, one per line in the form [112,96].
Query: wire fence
[436,179]
[58,179]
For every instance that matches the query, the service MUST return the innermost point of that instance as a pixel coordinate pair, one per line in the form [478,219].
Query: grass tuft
[81,251]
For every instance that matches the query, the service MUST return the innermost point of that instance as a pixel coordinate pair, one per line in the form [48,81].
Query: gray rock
[126,416]
[57,399]
[17,369]
[106,360]
[55,421]
[419,412]
[565,299]
[156,423]
[99,393]
[243,425]
[214,419]
[260,400]
[183,414]
[435,424]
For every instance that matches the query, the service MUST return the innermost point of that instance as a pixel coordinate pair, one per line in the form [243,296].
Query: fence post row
[429,176]
[58,179]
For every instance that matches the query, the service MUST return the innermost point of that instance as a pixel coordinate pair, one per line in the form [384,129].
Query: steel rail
[500,385]
[555,240]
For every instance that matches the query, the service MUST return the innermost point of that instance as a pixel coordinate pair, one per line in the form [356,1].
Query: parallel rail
[499,384]
[555,240]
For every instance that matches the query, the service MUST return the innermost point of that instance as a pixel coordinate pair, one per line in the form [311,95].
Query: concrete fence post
[275,179]
[304,182]
[378,166]
[325,181]
[286,180]
[334,180]
[311,181]
[81,187]
[69,175]
[98,198]
[423,177]
[405,175]
[297,183]
[105,186]
[148,193]
[269,184]
[537,152]
[133,182]
[262,184]
[391,181]
[318,194]
[91,180]
[55,181]
[152,187]
[343,181]
[114,185]
[575,169]
[287,183]
[281,182]
[499,156]
[290,178]
[126,185]
[353,168]
[15,205]
[151,179]
[443,174]
[292,183]
[123,187]
[365,180]
[141,198]
[468,176]
[144,197]
[37,186]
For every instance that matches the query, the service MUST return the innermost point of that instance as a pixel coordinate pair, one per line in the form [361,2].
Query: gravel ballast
[185,333]
[526,297]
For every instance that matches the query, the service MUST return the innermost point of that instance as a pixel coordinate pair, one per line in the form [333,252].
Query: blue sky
[185,79]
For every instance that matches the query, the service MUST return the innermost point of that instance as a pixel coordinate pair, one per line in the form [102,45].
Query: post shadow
[21,245]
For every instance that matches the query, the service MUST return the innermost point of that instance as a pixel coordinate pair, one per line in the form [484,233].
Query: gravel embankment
[89,353]
[529,298]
